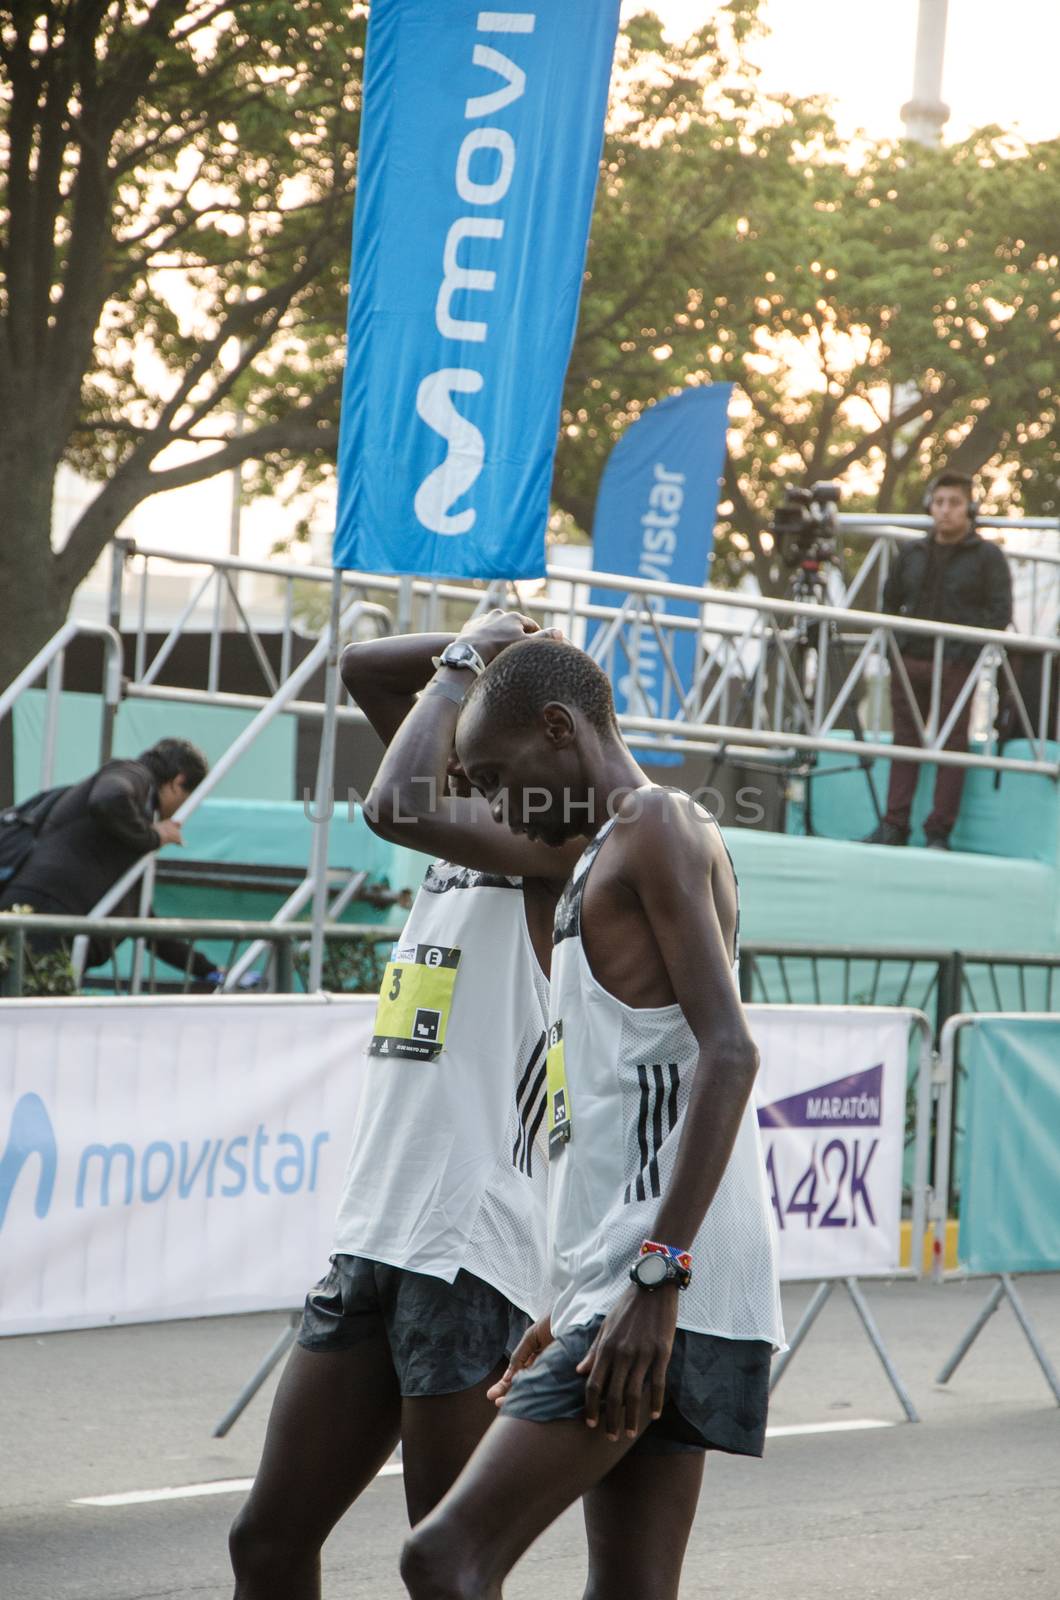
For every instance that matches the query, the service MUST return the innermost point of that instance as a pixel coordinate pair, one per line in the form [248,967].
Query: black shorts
[717,1392]
[443,1337]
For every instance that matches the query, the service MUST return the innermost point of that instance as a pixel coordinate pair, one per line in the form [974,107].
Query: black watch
[461,653]
[650,1272]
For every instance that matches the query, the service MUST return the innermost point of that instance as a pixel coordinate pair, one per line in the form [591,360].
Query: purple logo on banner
[851,1102]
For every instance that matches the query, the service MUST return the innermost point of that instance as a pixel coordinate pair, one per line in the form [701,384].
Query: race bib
[559,1119]
[415,1002]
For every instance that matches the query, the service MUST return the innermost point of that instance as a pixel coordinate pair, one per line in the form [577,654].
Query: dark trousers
[949,781]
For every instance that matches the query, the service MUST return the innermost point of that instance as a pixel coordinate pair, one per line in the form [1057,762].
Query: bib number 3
[414,1002]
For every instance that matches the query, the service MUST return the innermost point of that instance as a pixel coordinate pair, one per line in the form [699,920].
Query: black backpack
[19,827]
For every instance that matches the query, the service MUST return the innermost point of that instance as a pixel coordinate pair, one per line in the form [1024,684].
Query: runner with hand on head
[439,1245]
[662,1249]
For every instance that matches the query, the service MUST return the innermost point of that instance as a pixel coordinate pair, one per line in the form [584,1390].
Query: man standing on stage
[951,575]
[666,1303]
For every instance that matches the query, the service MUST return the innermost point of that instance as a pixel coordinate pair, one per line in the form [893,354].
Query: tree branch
[301,432]
[983,440]
[929,405]
[681,235]
[267,311]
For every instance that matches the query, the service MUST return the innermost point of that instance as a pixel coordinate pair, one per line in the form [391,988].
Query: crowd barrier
[1003,1071]
[184,1158]
[170,1158]
[832,1099]
[166,1159]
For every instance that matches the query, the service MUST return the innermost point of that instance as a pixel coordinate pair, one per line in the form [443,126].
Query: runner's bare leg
[518,1481]
[335,1420]
[438,1436]
[637,1522]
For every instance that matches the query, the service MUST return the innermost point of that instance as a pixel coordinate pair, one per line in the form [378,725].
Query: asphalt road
[965,1506]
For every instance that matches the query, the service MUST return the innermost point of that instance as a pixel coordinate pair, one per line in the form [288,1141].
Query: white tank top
[628,1075]
[448,1168]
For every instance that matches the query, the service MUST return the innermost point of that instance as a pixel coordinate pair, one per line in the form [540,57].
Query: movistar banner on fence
[171,1158]
[478,160]
[655,519]
[148,1148]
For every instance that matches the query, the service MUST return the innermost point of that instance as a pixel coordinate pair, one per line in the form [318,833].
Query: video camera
[805,526]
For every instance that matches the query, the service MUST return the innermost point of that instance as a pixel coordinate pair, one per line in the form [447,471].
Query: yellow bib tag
[559,1118]
[415,1002]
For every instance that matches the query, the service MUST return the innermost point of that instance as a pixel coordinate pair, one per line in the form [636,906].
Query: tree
[176,183]
[882,308]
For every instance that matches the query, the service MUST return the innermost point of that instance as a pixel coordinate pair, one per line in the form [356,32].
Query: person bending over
[439,1245]
[94,832]
[661,1238]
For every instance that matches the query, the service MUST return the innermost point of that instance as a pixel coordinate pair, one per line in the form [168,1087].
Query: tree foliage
[176,184]
[883,308]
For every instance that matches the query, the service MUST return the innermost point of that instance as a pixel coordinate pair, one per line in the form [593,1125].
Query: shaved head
[516,687]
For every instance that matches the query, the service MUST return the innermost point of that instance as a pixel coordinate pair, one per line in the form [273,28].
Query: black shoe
[887,833]
[937,841]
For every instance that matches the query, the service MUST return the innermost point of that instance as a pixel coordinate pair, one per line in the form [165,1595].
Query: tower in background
[926,113]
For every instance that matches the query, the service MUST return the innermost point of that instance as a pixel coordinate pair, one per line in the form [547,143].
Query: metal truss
[773,680]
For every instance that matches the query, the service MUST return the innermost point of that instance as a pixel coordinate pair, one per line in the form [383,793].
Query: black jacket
[966,583]
[93,835]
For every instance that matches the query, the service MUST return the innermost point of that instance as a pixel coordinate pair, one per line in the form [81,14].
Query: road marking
[192,1491]
[854,1425]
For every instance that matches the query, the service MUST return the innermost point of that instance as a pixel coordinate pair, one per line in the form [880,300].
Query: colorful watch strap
[683,1258]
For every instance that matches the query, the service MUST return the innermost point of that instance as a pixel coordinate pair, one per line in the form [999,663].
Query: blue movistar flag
[480,146]
[655,514]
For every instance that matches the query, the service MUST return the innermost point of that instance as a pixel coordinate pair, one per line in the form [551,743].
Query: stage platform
[810,891]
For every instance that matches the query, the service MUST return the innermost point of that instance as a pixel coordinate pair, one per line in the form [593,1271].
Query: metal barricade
[949,1061]
[280,938]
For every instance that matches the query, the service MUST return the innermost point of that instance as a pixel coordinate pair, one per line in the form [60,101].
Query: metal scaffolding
[775,681]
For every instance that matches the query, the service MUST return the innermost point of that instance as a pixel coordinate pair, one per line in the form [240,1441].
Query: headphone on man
[958,480]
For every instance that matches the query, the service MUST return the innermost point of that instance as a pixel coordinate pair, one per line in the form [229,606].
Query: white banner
[831,1096]
[184,1158]
[170,1159]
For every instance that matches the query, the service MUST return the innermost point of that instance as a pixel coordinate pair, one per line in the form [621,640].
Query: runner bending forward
[655,1163]
[439,1244]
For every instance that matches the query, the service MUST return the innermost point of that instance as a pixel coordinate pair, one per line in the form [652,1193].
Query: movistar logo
[485,165]
[30,1134]
[100,1174]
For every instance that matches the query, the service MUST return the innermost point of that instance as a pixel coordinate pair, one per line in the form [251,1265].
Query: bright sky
[1000,66]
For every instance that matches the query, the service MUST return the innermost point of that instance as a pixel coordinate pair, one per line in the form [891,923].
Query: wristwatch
[460,654]
[661,1263]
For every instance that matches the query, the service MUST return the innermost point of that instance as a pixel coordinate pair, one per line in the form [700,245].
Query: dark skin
[658,926]
[315,1464]
[414,801]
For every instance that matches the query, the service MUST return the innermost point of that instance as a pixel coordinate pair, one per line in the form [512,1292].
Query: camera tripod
[808,585]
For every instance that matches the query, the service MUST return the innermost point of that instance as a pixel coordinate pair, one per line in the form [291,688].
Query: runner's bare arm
[408,802]
[671,873]
[384,675]
[668,865]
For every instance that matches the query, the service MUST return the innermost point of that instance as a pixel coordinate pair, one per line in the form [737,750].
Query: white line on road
[191,1491]
[854,1425]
